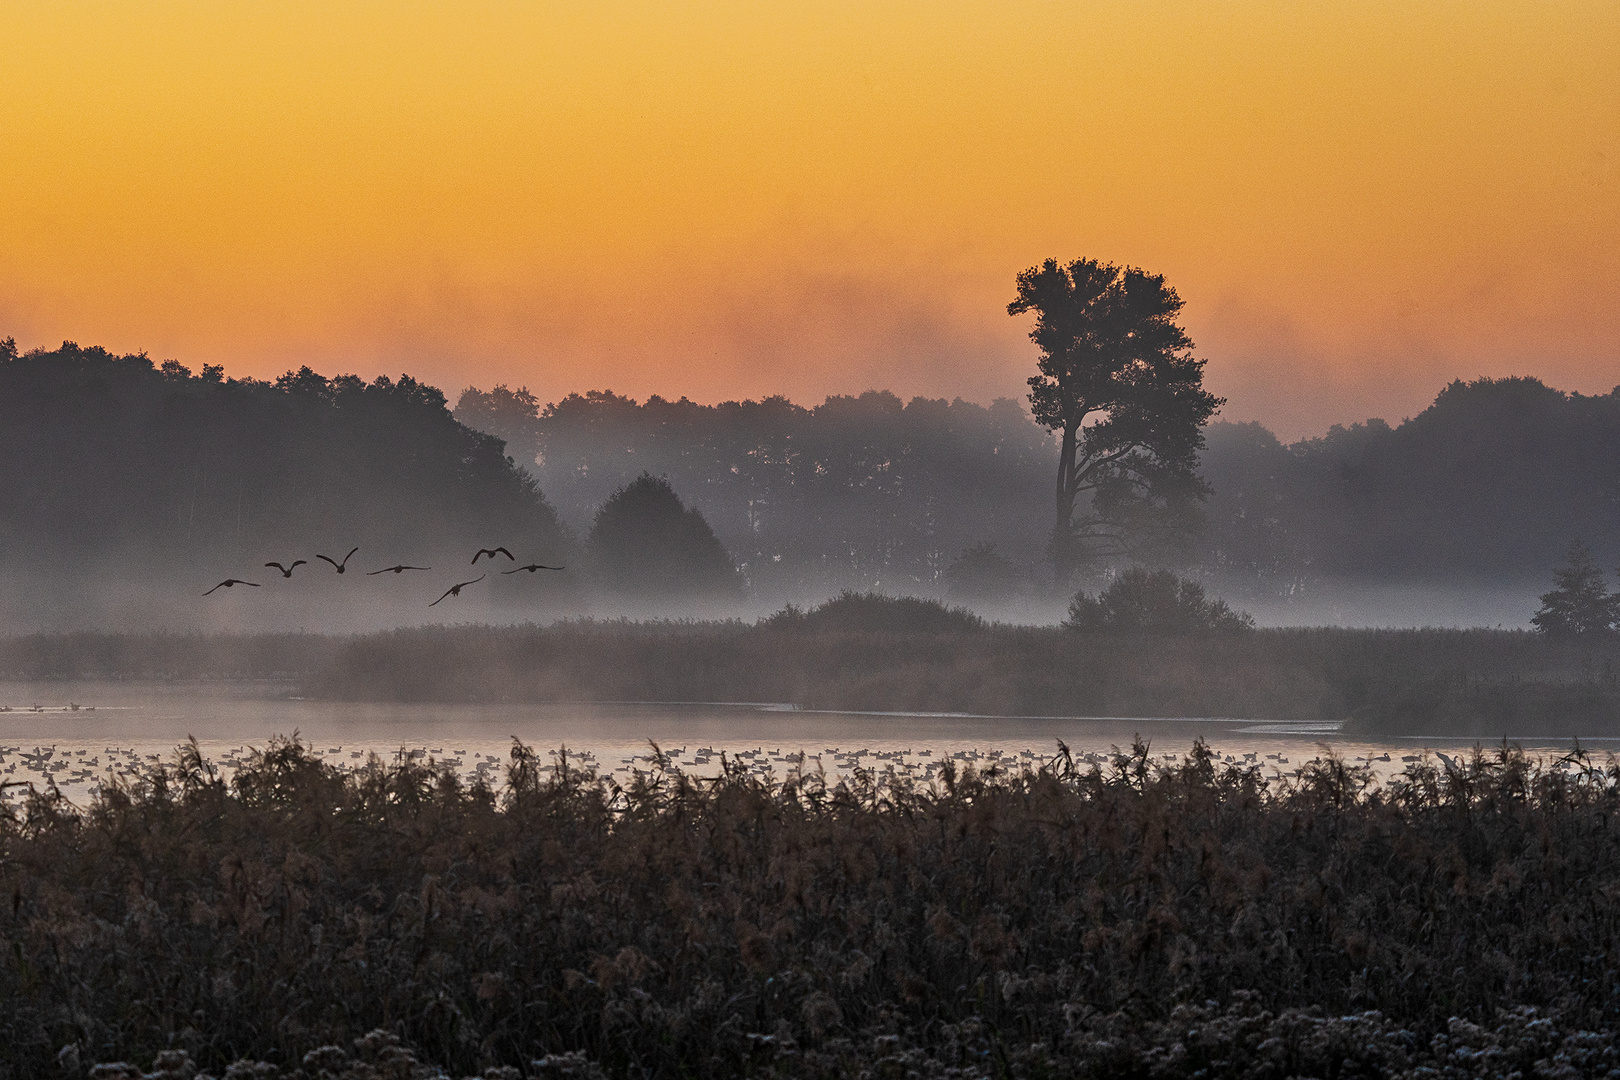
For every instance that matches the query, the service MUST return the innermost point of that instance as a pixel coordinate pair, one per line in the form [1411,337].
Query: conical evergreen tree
[644,542]
[1580,603]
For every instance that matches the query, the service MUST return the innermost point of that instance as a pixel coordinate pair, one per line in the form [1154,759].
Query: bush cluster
[1155,601]
[1135,919]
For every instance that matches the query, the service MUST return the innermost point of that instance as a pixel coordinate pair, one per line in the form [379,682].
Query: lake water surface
[76,733]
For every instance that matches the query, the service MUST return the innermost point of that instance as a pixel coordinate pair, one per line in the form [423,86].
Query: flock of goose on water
[342,567]
[86,767]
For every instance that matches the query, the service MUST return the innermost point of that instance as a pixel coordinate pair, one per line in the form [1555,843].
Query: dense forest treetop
[114,453]
[1490,482]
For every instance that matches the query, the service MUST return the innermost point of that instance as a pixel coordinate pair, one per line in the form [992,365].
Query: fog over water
[104,599]
[140,486]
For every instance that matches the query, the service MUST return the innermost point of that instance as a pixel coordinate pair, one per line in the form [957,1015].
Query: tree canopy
[1157,601]
[1118,382]
[1485,485]
[1580,604]
[513,416]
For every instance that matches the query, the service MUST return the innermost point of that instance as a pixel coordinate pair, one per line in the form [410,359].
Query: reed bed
[1135,919]
[1478,683]
[162,656]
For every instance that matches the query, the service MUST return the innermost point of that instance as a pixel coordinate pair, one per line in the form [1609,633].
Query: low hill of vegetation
[303,920]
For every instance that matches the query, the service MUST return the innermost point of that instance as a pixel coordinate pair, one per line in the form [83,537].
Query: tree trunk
[1063,553]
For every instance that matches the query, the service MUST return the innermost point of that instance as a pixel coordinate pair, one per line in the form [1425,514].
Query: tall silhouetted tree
[1120,385]
[1580,604]
[645,543]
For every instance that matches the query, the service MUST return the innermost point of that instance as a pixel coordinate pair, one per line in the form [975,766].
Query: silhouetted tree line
[1487,484]
[115,455]
[110,455]
[865,490]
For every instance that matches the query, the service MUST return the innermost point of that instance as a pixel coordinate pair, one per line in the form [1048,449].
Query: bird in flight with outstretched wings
[455,590]
[340,567]
[229,583]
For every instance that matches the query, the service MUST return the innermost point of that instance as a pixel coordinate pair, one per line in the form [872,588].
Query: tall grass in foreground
[1136,919]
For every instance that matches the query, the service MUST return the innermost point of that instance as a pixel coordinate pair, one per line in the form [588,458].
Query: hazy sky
[1357,201]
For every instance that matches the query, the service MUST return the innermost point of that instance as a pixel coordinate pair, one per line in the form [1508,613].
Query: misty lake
[76,733]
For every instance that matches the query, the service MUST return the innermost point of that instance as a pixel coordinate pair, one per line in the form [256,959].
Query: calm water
[118,726]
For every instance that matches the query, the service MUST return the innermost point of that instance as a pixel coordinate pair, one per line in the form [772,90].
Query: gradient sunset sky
[1358,202]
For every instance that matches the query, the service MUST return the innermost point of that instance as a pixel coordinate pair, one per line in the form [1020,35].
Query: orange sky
[1357,201]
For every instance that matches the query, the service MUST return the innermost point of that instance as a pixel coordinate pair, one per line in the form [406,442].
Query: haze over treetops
[1358,202]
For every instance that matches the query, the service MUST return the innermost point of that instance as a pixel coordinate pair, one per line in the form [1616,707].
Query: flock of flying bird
[342,567]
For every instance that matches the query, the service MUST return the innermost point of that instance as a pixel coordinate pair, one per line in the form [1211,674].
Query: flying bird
[455,590]
[400,569]
[286,571]
[492,552]
[228,582]
[340,567]
[532,567]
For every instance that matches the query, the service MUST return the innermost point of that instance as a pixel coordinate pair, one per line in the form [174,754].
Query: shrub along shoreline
[1130,920]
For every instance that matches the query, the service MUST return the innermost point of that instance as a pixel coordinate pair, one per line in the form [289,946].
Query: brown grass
[1128,920]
